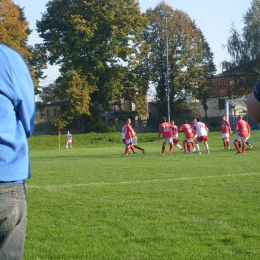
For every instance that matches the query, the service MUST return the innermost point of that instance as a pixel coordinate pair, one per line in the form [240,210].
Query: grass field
[91,202]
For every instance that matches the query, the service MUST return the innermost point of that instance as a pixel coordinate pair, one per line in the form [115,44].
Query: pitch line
[139,181]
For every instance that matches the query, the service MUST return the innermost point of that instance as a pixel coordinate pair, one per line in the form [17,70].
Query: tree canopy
[244,50]
[190,60]
[14,32]
[98,45]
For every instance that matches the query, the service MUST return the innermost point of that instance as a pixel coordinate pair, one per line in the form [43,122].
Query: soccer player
[226,130]
[123,139]
[243,130]
[202,131]
[165,129]
[69,140]
[129,133]
[195,135]
[175,136]
[189,135]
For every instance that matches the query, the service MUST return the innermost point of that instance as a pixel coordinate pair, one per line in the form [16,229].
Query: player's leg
[123,140]
[128,146]
[175,143]
[206,146]
[188,147]
[224,143]
[236,144]
[184,146]
[243,147]
[163,147]
[197,146]
[227,143]
[132,148]
[250,146]
[170,147]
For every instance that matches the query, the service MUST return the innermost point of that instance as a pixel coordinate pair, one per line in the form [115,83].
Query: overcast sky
[213,17]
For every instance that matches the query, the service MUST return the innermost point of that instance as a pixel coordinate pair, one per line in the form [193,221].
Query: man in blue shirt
[17,113]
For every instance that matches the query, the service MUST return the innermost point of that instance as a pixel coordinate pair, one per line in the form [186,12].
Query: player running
[128,134]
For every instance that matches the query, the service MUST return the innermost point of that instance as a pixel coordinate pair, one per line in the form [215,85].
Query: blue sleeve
[24,97]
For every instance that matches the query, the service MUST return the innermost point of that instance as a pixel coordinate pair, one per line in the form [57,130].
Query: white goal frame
[229,101]
[253,125]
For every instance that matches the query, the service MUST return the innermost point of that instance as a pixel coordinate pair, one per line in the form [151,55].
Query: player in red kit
[226,130]
[165,129]
[175,136]
[129,133]
[243,130]
[195,135]
[186,128]
[123,139]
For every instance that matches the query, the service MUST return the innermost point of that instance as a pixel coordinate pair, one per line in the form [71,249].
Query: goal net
[235,107]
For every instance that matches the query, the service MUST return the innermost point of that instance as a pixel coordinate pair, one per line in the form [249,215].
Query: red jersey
[165,129]
[225,126]
[186,128]
[192,126]
[243,127]
[128,131]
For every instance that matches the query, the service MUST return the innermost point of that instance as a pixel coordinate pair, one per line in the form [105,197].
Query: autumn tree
[14,32]
[244,49]
[98,45]
[189,57]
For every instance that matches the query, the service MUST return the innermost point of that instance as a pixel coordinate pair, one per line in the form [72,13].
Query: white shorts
[128,141]
[167,139]
[134,141]
[189,140]
[226,135]
[240,138]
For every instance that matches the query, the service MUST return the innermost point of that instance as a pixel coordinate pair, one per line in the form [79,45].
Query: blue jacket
[17,113]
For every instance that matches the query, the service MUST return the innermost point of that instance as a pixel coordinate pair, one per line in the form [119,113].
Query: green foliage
[14,32]
[189,56]
[243,48]
[105,128]
[84,140]
[91,41]
[91,202]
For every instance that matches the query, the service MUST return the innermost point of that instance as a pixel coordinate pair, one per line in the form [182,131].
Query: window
[48,113]
[221,104]
[55,111]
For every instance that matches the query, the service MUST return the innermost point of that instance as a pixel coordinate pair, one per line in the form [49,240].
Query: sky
[213,17]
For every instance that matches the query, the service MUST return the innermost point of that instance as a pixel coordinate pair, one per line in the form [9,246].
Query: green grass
[91,202]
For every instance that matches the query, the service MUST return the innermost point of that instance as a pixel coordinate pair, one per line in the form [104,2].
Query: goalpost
[235,107]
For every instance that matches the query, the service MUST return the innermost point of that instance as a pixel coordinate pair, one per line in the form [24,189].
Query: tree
[190,58]
[97,44]
[244,50]
[14,32]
